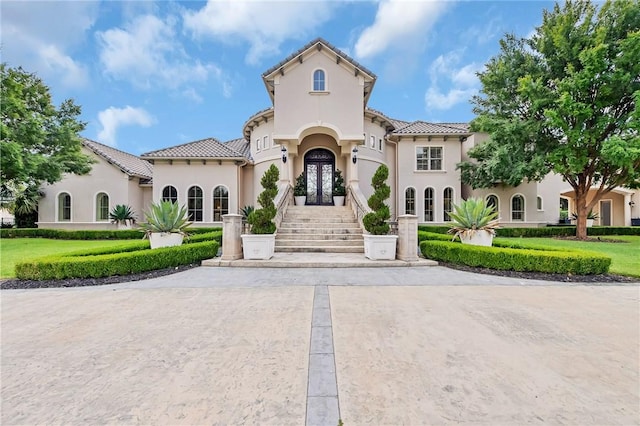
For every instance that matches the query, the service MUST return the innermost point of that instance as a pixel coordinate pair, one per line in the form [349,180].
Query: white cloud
[461,81]
[147,53]
[399,23]
[112,118]
[39,36]
[263,24]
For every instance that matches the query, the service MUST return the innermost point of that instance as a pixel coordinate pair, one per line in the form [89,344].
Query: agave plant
[473,215]
[165,217]
[122,215]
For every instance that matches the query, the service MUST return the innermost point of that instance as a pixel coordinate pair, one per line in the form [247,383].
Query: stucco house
[318,122]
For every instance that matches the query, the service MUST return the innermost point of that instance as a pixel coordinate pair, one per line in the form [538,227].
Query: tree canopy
[565,100]
[39,142]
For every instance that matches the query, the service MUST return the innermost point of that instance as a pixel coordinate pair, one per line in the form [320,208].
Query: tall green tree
[39,142]
[565,100]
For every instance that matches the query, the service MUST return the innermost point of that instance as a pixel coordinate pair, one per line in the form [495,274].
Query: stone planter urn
[300,200]
[380,247]
[165,239]
[258,246]
[477,238]
[338,200]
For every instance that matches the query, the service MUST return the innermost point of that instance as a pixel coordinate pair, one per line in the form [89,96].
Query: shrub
[376,222]
[300,190]
[471,215]
[548,231]
[261,220]
[517,259]
[338,184]
[122,214]
[59,234]
[165,217]
[108,264]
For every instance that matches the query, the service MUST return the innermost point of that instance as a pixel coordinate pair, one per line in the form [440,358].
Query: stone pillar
[408,237]
[231,240]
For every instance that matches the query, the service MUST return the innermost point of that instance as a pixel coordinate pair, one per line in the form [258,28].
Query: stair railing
[358,203]
[282,201]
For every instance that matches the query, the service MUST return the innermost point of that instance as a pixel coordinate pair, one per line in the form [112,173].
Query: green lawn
[625,256]
[13,250]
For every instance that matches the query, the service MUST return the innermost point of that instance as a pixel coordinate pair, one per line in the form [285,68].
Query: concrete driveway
[276,347]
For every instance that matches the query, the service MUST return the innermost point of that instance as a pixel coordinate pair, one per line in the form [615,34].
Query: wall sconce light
[632,203]
[284,153]
[354,154]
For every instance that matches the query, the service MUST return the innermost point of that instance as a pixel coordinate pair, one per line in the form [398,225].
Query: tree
[566,100]
[39,142]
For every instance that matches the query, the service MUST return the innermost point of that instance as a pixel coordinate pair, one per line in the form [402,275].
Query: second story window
[318,81]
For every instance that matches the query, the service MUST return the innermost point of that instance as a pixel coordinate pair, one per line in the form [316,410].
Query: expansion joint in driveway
[322,388]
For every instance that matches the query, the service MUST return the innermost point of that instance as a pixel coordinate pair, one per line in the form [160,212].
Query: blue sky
[150,75]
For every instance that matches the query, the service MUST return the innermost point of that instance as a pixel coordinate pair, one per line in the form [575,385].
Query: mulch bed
[13,284]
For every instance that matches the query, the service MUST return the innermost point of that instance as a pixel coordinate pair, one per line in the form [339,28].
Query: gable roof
[242,146]
[422,127]
[209,148]
[128,163]
[319,43]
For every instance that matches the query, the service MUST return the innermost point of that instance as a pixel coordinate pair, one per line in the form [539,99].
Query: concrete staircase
[319,229]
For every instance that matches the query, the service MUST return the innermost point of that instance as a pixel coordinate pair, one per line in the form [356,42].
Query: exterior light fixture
[632,203]
[354,154]
[284,153]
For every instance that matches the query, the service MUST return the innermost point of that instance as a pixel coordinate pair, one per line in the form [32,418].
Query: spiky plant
[246,211]
[122,214]
[165,217]
[472,215]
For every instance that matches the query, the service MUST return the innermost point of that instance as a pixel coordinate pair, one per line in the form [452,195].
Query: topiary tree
[261,220]
[376,222]
[338,184]
[300,190]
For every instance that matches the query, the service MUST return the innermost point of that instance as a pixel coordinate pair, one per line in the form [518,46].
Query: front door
[605,212]
[318,166]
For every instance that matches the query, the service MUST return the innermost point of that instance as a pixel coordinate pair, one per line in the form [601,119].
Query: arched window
[447,203]
[517,208]
[539,203]
[428,205]
[64,207]
[220,203]
[318,81]
[102,207]
[194,204]
[493,201]
[410,201]
[170,193]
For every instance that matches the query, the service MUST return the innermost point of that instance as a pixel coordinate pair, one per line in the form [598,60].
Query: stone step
[306,219]
[318,224]
[316,230]
[314,249]
[318,243]
[318,237]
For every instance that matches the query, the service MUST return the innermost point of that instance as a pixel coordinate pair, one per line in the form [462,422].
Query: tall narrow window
[428,205]
[64,207]
[539,202]
[265,142]
[102,207]
[318,81]
[220,203]
[410,201]
[373,141]
[380,145]
[170,193]
[447,206]
[517,208]
[492,201]
[194,204]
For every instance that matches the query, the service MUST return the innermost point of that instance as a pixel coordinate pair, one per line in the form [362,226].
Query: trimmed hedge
[517,259]
[109,264]
[60,234]
[549,231]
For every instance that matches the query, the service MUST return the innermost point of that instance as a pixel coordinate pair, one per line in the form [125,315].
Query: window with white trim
[429,202]
[265,142]
[380,145]
[539,203]
[447,203]
[170,193]
[372,142]
[64,207]
[410,201]
[220,202]
[319,81]
[102,207]
[258,144]
[493,201]
[517,208]
[195,204]
[429,158]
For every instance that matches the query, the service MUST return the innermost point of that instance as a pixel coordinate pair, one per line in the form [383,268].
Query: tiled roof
[422,127]
[394,122]
[205,148]
[242,146]
[311,44]
[128,163]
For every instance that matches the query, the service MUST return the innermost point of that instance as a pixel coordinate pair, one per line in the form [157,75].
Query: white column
[627,210]
[408,237]
[231,239]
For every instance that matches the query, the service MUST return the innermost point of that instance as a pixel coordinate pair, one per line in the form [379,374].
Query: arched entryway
[319,165]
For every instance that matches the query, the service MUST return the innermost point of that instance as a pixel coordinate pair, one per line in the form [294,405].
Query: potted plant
[474,222]
[165,224]
[564,218]
[260,243]
[339,191]
[591,217]
[300,190]
[123,216]
[378,245]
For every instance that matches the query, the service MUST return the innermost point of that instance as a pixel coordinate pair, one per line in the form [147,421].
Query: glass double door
[319,165]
